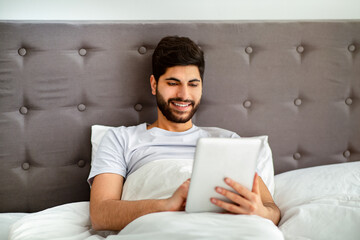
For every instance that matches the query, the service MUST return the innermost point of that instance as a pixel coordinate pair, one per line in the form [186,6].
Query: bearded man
[177,80]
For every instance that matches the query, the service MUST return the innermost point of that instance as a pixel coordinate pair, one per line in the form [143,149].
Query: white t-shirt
[123,150]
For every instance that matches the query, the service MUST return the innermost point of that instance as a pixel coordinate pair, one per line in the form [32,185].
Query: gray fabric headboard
[298,82]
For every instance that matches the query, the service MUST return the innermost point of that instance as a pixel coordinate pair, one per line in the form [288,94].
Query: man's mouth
[181,106]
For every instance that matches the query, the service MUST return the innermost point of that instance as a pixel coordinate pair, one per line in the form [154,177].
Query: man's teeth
[181,105]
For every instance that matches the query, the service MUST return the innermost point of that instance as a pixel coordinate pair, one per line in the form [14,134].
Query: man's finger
[227,206]
[234,197]
[243,191]
[256,188]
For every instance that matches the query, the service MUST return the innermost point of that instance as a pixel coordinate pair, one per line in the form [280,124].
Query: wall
[178,10]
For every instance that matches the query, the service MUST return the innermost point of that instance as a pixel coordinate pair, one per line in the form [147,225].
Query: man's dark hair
[176,51]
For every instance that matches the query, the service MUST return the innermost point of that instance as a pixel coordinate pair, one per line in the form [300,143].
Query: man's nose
[183,92]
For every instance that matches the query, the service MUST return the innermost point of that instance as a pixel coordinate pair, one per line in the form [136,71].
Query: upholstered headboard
[298,82]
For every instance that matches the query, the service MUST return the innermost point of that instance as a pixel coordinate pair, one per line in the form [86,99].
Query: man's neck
[165,124]
[175,127]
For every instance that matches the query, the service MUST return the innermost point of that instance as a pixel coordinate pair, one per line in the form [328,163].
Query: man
[178,68]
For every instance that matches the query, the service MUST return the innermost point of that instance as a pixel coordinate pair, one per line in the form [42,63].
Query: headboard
[297,82]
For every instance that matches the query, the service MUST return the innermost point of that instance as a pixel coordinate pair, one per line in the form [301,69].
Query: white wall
[178,9]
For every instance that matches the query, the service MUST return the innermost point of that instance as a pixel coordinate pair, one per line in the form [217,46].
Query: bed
[295,84]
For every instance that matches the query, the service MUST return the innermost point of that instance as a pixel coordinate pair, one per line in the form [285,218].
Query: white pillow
[265,165]
[6,220]
[320,202]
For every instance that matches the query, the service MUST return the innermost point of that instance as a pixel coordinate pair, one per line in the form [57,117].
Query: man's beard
[170,113]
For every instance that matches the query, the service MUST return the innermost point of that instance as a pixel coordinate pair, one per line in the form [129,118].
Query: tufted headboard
[298,82]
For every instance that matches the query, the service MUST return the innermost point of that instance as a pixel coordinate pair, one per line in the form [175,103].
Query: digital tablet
[215,159]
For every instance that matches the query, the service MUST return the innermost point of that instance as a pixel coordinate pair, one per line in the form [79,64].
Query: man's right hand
[177,201]
[108,212]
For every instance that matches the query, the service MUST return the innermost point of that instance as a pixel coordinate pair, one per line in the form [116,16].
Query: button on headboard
[298,82]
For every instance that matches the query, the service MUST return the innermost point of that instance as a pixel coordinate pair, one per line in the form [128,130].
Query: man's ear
[153,85]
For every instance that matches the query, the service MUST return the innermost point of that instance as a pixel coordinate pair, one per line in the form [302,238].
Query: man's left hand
[243,201]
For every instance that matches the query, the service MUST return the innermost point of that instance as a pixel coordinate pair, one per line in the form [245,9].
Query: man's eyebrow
[175,79]
[195,80]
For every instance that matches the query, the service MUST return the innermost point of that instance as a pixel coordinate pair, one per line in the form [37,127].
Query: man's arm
[256,202]
[108,212]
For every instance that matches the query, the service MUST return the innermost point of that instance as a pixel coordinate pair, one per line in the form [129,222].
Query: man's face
[178,93]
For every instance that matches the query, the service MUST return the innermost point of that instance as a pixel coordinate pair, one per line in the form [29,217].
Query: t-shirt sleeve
[109,157]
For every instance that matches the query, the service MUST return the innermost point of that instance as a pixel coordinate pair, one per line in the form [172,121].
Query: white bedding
[71,222]
[181,225]
[320,202]
[316,203]
[6,220]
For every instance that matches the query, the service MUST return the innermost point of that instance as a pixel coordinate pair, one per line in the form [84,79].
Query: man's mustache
[181,100]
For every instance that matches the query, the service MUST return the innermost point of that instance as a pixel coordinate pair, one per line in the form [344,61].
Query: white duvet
[316,203]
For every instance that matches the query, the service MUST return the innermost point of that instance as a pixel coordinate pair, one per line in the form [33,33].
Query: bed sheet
[316,203]
[210,226]
[71,222]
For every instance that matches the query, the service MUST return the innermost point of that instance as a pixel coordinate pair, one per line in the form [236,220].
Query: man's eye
[172,84]
[193,85]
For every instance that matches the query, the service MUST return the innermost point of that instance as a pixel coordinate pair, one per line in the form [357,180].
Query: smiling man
[178,93]
[178,70]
